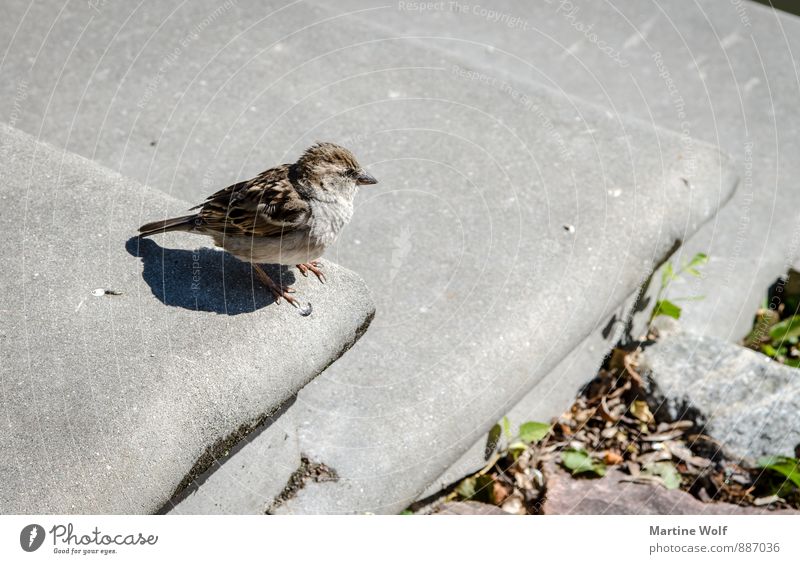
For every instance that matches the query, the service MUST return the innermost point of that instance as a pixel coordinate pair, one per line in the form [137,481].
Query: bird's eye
[351,173]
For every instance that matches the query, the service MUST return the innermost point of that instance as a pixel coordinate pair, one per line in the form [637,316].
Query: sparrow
[287,215]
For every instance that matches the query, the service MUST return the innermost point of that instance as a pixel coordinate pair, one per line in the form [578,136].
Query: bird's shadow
[204,279]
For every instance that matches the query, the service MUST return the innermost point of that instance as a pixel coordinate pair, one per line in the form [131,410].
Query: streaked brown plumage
[286,215]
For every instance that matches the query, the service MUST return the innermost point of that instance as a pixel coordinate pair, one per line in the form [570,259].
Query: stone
[468,508]
[130,365]
[612,495]
[741,398]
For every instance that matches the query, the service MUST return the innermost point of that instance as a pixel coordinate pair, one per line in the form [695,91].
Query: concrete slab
[551,396]
[723,72]
[129,366]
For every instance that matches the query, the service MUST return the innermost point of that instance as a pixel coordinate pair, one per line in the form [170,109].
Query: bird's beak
[366,178]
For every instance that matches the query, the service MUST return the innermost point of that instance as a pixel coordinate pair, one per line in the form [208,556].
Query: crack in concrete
[306,472]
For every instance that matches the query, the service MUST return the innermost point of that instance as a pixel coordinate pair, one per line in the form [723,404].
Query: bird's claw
[313,266]
[304,311]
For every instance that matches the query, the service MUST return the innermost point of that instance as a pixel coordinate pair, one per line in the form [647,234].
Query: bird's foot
[279,291]
[313,266]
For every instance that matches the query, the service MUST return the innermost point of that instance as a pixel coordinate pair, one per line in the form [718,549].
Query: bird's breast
[328,219]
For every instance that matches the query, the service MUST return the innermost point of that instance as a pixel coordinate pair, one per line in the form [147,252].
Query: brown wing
[264,206]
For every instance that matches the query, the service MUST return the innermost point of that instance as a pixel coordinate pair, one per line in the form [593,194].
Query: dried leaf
[641,411]
[500,492]
[682,452]
[605,413]
[661,437]
[759,501]
[514,505]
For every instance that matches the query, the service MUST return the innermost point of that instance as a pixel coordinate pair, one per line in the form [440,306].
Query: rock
[739,397]
[611,495]
[130,366]
[468,508]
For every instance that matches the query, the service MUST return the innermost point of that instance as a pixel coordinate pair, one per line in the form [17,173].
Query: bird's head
[329,170]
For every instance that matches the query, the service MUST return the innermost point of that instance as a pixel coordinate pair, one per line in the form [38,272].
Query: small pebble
[105,292]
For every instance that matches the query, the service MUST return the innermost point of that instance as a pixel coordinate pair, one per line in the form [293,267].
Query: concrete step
[114,399]
[510,221]
[722,72]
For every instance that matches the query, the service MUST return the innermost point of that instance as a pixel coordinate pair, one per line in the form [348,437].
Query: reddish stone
[568,495]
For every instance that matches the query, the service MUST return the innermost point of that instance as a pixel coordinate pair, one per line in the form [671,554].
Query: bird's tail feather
[183,223]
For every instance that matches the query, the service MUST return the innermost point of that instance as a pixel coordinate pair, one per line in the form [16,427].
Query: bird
[287,215]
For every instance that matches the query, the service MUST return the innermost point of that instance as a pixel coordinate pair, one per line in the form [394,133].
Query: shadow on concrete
[204,279]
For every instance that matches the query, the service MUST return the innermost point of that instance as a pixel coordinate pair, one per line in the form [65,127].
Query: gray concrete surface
[477,308]
[724,72]
[108,401]
[550,397]
[480,288]
[245,480]
[742,398]
[721,71]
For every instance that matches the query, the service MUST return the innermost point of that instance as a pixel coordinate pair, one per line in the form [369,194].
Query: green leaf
[698,260]
[667,275]
[406,512]
[516,449]
[484,489]
[517,445]
[579,461]
[667,471]
[666,307]
[784,465]
[769,350]
[507,428]
[785,329]
[693,271]
[492,441]
[533,431]
[466,489]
